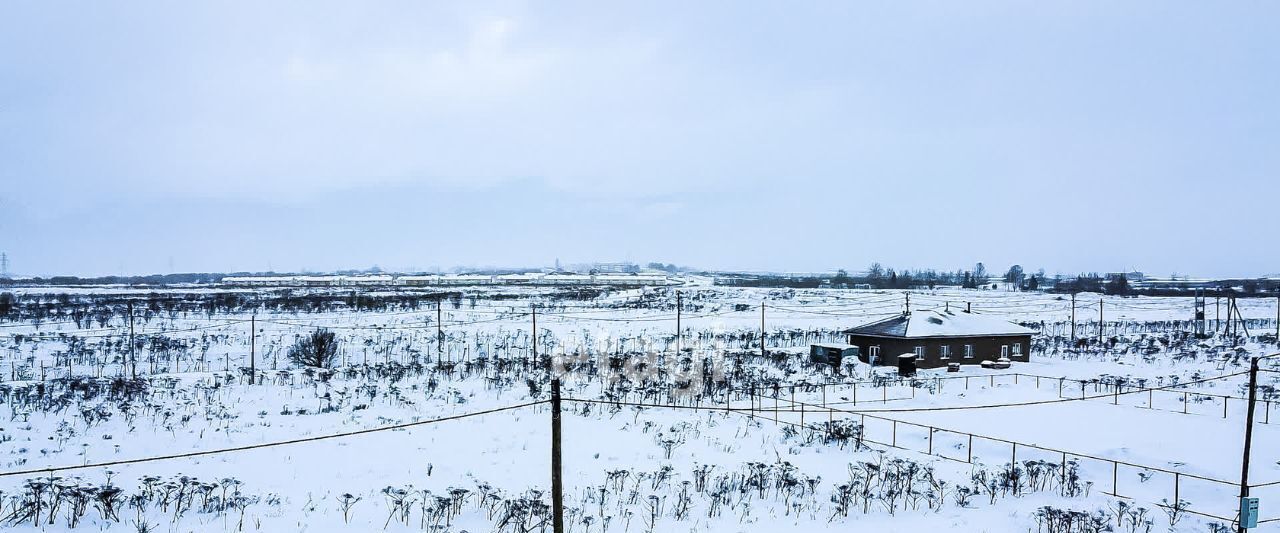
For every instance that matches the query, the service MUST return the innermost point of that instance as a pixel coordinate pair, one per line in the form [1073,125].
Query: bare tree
[319,349]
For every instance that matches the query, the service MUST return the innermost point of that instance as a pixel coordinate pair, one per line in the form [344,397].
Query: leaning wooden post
[557,492]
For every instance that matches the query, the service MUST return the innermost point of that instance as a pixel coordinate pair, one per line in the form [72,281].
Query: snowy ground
[726,470]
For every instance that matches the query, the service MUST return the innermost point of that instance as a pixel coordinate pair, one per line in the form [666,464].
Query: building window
[1004,350]
[968,351]
[919,351]
[1017,348]
[874,351]
[944,352]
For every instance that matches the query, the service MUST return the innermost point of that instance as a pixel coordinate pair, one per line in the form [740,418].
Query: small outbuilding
[940,337]
[831,353]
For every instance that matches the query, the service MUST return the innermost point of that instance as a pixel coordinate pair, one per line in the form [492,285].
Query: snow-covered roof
[938,323]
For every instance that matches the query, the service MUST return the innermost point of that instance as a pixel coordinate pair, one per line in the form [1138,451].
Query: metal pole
[679,335]
[557,493]
[761,329]
[1115,476]
[1248,435]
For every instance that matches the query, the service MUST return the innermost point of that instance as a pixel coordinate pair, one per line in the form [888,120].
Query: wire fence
[934,440]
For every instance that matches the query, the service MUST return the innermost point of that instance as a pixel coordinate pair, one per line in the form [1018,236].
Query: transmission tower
[4,265]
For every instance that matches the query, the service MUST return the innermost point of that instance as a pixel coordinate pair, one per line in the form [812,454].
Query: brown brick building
[941,337]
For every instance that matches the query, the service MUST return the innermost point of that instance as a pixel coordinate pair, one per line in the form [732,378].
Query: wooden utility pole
[762,329]
[533,339]
[133,357]
[679,335]
[439,332]
[1277,317]
[557,491]
[253,347]
[1073,318]
[1101,328]
[1248,436]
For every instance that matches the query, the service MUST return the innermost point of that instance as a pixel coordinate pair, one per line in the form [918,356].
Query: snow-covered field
[654,439]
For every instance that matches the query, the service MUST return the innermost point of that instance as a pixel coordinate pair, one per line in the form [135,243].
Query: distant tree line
[87,309]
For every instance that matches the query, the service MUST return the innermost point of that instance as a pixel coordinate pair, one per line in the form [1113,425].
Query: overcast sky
[156,137]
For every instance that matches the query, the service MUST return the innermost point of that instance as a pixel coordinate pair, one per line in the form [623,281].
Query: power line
[268,444]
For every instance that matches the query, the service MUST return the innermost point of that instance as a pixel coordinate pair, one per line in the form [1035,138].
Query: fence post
[894,443]
[1185,398]
[1115,476]
[971,448]
[1063,482]
[557,494]
[930,441]
[1177,480]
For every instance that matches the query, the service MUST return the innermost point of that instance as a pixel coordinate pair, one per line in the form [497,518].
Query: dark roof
[940,324]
